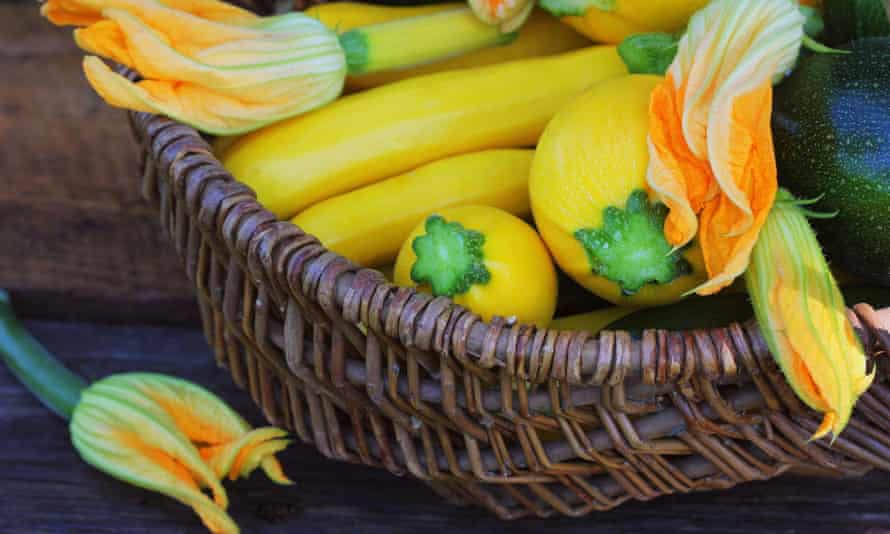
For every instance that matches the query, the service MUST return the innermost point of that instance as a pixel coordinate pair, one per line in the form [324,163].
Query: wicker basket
[519,420]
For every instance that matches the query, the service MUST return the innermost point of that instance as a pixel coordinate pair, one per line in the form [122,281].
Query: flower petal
[242,456]
[106,39]
[711,148]
[86,12]
[199,414]
[120,434]
[804,319]
[680,180]
[204,108]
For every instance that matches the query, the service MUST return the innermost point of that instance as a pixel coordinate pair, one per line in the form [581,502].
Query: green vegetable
[449,258]
[832,140]
[630,247]
[854,19]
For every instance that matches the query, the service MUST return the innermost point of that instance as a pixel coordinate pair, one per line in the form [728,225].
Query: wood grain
[76,239]
[46,488]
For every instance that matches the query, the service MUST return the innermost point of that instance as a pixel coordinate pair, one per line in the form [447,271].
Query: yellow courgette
[589,199]
[369,225]
[610,21]
[483,258]
[345,16]
[542,35]
[366,137]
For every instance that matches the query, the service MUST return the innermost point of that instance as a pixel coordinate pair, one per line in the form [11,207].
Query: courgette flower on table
[226,71]
[803,318]
[170,436]
[710,144]
[153,431]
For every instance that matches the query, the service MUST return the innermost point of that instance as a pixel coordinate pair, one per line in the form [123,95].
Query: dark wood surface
[76,237]
[44,487]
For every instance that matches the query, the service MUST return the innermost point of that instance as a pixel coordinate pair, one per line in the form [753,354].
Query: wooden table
[77,243]
[44,487]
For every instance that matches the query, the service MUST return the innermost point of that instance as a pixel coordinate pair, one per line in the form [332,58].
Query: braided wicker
[519,420]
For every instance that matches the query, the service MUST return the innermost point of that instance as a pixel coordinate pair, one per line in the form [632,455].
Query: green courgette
[831,126]
[847,20]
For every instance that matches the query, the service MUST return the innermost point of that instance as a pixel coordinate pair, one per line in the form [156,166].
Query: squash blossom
[508,15]
[803,317]
[153,431]
[226,71]
[710,144]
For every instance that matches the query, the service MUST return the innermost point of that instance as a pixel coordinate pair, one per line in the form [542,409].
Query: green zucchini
[847,20]
[831,126]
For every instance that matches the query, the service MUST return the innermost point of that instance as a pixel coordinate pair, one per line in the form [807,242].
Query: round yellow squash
[483,258]
[628,17]
[588,194]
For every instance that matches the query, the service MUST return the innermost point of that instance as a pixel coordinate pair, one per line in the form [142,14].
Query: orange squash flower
[803,317]
[710,144]
[215,66]
[173,437]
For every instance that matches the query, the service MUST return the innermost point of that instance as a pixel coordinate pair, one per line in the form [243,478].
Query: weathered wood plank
[77,240]
[46,488]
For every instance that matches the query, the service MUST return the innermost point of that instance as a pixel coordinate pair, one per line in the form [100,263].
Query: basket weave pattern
[520,420]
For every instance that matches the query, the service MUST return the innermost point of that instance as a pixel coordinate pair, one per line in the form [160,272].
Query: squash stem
[44,376]
[404,43]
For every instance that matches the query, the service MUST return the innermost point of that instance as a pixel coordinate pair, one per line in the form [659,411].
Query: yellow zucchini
[369,225]
[366,137]
[588,193]
[621,18]
[344,16]
[482,258]
[542,35]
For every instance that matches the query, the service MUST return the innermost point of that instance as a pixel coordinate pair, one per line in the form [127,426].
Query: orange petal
[86,12]
[679,179]
[104,38]
[205,108]
[727,232]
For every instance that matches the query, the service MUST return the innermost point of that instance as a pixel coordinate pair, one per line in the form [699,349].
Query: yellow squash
[369,225]
[344,16]
[483,258]
[589,200]
[366,137]
[610,21]
[541,35]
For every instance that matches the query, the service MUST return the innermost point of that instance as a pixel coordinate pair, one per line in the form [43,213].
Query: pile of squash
[484,176]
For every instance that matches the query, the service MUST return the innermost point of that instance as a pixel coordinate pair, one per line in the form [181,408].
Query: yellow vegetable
[610,21]
[588,195]
[542,35]
[483,258]
[369,225]
[345,16]
[593,321]
[365,137]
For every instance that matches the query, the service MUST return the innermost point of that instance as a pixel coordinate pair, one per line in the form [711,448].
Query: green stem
[449,258]
[44,376]
[404,43]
